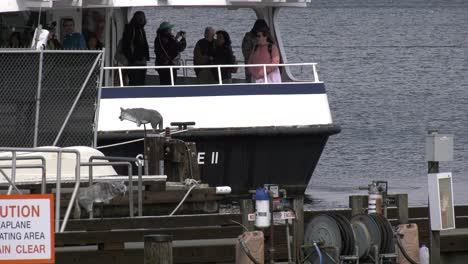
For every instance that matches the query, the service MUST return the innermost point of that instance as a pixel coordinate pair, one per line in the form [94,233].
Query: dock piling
[158,249]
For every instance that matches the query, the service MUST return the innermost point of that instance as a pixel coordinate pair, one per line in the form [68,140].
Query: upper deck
[27,5]
[219,105]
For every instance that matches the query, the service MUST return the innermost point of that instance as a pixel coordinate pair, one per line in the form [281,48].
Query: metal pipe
[219,75]
[77,98]
[314,69]
[13,171]
[210,66]
[49,51]
[9,181]
[140,191]
[38,98]
[172,76]
[98,100]
[75,189]
[120,77]
[265,74]
[43,187]
[183,67]
[26,166]
[58,189]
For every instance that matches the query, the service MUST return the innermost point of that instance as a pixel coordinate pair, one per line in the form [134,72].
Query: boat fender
[223,190]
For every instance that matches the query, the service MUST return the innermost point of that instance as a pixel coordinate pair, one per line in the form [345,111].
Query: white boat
[248,134]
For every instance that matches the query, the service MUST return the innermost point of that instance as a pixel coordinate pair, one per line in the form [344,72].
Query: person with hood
[167,48]
[135,48]
[249,41]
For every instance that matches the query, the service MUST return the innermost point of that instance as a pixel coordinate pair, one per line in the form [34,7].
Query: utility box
[441,204]
[439,147]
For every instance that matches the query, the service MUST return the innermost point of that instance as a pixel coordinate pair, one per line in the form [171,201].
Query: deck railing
[120,69]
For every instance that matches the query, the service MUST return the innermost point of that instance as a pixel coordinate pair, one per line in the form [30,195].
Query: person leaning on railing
[265,52]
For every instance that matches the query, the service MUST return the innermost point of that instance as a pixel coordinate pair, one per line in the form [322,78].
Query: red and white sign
[27,229]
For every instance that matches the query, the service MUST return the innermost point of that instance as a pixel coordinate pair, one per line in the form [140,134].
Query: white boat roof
[67,168]
[25,5]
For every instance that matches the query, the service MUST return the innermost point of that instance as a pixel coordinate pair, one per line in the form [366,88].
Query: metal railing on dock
[111,161]
[59,152]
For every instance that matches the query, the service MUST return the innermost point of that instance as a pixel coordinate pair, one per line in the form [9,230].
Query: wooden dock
[203,238]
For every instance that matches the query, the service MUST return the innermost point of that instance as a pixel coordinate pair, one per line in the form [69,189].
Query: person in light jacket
[265,52]
[249,41]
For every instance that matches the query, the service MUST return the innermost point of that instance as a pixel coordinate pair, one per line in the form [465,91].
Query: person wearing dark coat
[223,55]
[203,55]
[135,48]
[167,48]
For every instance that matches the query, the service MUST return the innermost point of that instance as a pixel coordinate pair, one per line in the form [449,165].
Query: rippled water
[393,69]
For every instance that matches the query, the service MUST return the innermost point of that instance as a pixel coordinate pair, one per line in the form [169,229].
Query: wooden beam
[213,254]
[153,222]
[136,235]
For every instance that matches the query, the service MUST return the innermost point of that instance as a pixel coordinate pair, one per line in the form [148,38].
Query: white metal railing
[171,67]
[110,161]
[58,152]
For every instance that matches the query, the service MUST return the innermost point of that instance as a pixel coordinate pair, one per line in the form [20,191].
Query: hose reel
[365,237]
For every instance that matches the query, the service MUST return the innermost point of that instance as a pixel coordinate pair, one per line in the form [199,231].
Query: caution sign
[27,228]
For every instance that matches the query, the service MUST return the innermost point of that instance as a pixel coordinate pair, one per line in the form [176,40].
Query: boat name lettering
[210,156]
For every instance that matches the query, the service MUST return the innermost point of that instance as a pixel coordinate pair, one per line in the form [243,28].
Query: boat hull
[246,158]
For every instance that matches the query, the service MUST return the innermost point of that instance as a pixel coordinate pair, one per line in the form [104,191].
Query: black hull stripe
[212,90]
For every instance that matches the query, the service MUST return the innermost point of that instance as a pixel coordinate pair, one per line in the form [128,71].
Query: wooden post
[154,153]
[402,205]
[358,204]
[158,249]
[298,231]
[246,206]
[433,167]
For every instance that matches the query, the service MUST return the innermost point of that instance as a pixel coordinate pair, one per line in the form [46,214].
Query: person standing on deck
[203,55]
[249,42]
[167,48]
[223,55]
[72,39]
[135,48]
[265,52]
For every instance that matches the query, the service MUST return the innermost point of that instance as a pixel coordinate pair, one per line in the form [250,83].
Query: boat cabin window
[86,29]
[72,29]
